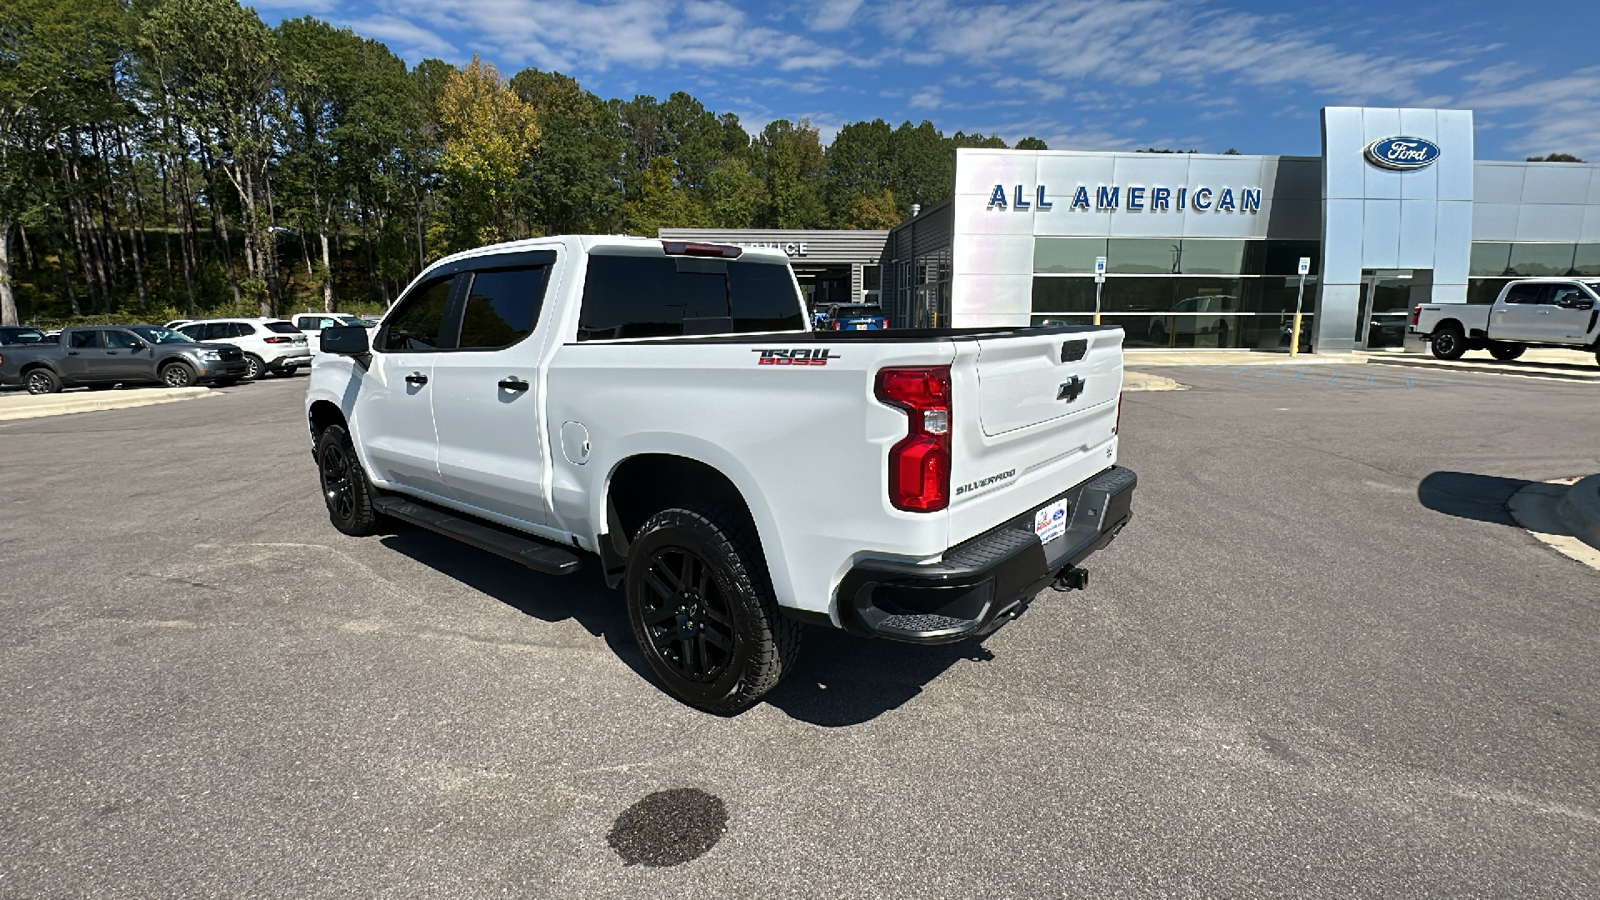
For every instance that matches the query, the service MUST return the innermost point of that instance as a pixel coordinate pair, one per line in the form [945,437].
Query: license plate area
[1050,520]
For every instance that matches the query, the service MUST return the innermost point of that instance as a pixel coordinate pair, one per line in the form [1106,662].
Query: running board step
[537,555]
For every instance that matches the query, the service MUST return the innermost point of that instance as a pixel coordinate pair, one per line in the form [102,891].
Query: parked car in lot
[854,317]
[271,346]
[22,335]
[657,403]
[1196,322]
[1530,312]
[104,356]
[311,325]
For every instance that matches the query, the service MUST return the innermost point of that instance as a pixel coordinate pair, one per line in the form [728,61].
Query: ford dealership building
[1203,250]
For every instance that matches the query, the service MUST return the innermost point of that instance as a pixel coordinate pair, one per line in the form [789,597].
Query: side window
[652,296]
[119,340]
[1524,293]
[1565,293]
[193,332]
[762,297]
[418,322]
[502,306]
[240,329]
[85,339]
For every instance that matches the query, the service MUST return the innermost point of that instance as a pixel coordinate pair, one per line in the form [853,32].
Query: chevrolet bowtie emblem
[1071,391]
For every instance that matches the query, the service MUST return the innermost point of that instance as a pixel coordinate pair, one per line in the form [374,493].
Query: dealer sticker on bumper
[1050,522]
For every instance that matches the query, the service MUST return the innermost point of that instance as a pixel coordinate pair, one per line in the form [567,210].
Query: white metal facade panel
[1591,224]
[1498,182]
[1452,249]
[1455,132]
[1418,230]
[1380,235]
[1000,300]
[1549,222]
[1494,221]
[1563,183]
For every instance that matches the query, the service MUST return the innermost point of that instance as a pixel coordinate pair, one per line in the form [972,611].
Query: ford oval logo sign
[1402,153]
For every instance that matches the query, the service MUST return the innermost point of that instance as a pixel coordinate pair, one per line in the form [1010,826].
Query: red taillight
[1416,313]
[835,325]
[279,340]
[883,323]
[690,248]
[919,465]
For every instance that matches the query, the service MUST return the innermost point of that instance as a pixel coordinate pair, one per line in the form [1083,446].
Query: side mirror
[346,340]
[140,345]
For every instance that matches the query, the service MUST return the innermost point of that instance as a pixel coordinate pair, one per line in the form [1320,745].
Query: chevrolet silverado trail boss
[657,405]
[1530,312]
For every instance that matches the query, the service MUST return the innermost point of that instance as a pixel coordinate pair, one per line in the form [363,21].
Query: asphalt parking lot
[1320,662]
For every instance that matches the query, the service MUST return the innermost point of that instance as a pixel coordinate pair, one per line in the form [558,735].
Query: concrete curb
[1525,371]
[35,406]
[1137,382]
[1537,508]
[1580,510]
[1145,359]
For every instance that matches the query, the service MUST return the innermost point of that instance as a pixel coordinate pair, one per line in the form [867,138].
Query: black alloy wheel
[703,610]
[344,484]
[686,617]
[1448,343]
[177,375]
[43,381]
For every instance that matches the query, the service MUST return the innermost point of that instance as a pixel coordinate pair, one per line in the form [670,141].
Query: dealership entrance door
[823,285]
[1387,296]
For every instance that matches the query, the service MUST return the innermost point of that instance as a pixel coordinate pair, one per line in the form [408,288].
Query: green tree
[793,163]
[573,184]
[1032,143]
[489,134]
[663,203]
[922,164]
[1555,157]
[874,211]
[859,165]
[735,194]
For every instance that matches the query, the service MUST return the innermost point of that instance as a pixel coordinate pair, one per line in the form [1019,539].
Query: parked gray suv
[107,355]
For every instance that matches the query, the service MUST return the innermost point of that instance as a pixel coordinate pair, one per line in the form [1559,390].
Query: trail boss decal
[805,356]
[982,483]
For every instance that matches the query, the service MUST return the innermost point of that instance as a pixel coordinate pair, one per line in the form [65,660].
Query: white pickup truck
[1530,312]
[663,406]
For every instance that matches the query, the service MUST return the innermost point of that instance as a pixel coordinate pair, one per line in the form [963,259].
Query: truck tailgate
[1025,381]
[1047,415]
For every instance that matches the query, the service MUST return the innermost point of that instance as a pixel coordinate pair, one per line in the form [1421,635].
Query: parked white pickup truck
[662,406]
[1530,312]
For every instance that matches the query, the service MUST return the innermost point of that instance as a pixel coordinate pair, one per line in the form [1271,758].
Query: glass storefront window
[1484,290]
[1283,257]
[1217,257]
[1061,295]
[1541,259]
[1489,259]
[1587,260]
[1142,256]
[1067,255]
[871,278]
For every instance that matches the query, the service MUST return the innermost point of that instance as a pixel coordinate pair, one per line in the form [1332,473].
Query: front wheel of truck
[703,611]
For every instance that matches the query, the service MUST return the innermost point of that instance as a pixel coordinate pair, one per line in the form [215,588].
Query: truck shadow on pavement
[1467,496]
[840,679]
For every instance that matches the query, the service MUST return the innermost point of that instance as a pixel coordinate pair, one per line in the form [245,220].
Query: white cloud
[931,98]
[405,38]
[834,14]
[1559,115]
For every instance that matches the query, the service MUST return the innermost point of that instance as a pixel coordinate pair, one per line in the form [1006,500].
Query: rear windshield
[668,296]
[871,312]
[282,328]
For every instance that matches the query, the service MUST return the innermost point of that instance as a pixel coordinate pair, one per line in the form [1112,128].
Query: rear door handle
[513,383]
[417,378]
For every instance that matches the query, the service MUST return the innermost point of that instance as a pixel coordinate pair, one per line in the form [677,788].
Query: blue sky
[1113,74]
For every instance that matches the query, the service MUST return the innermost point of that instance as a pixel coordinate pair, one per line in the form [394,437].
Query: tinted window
[1524,293]
[419,321]
[239,329]
[645,296]
[85,339]
[282,328]
[1565,293]
[502,306]
[120,340]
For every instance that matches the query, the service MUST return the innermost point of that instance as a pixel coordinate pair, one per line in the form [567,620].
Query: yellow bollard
[1097,318]
[1294,337]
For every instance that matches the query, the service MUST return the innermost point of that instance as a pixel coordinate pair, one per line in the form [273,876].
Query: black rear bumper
[982,581]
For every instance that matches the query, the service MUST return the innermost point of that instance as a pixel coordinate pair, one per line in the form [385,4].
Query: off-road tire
[345,489]
[1449,342]
[42,381]
[253,367]
[731,583]
[178,375]
[1505,352]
